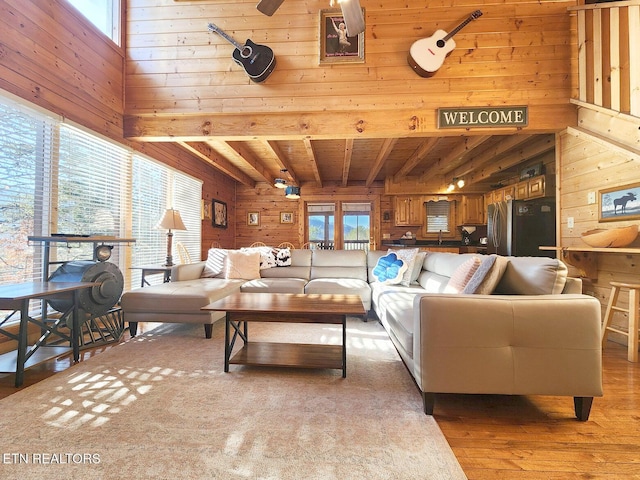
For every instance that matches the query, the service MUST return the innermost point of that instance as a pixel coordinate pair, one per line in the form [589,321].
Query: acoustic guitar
[257,60]
[427,55]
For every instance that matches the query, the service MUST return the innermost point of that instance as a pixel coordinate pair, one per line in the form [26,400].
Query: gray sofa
[536,333]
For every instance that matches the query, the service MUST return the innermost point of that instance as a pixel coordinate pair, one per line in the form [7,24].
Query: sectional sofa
[462,323]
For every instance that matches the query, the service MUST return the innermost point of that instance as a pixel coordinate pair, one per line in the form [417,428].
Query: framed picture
[335,45]
[286,217]
[619,203]
[206,210]
[219,214]
[253,218]
[531,171]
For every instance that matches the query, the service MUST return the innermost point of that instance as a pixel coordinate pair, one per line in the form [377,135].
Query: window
[104,14]
[58,178]
[321,224]
[439,216]
[356,220]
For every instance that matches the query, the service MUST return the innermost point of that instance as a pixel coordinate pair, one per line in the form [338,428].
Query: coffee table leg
[226,342]
[344,346]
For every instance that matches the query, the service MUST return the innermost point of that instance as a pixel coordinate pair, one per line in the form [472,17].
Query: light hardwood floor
[516,438]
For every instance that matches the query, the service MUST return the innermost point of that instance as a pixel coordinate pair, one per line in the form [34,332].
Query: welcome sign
[486,117]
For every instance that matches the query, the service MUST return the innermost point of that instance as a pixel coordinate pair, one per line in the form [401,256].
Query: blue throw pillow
[389,269]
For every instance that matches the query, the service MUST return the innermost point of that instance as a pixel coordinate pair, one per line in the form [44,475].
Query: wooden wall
[51,56]
[589,161]
[518,53]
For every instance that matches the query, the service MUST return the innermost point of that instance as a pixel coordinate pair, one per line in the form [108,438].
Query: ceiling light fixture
[292,192]
[280,183]
[451,187]
[460,182]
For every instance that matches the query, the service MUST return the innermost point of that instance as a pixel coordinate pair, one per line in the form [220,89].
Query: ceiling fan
[351,11]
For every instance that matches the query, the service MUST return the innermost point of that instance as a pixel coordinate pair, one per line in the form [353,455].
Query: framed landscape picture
[619,203]
[219,214]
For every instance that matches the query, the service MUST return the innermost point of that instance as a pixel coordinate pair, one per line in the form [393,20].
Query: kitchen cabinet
[409,210]
[531,188]
[472,209]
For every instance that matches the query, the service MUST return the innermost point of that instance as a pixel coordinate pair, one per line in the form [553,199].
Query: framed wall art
[286,217]
[335,45]
[253,218]
[619,203]
[219,214]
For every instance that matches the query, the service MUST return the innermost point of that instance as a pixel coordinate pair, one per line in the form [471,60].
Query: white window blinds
[438,216]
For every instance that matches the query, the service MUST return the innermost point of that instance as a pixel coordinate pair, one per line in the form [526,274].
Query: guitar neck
[472,17]
[224,35]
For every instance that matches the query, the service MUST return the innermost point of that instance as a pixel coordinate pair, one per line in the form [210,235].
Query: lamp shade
[292,192]
[171,220]
[280,183]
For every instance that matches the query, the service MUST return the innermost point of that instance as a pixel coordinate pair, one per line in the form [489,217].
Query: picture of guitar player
[337,41]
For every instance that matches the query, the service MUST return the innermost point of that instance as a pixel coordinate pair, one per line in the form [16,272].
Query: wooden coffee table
[243,308]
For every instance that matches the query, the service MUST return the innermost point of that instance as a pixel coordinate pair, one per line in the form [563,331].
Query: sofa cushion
[274,285]
[533,276]
[417,267]
[462,275]
[300,267]
[341,286]
[389,269]
[214,265]
[241,264]
[339,264]
[187,296]
[487,275]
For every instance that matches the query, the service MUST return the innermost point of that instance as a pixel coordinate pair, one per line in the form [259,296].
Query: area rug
[161,406]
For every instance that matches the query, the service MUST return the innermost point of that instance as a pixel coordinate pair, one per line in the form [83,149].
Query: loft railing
[608,60]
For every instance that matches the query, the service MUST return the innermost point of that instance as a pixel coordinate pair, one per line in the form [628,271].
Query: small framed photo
[206,210]
[286,217]
[335,45]
[619,203]
[253,218]
[219,214]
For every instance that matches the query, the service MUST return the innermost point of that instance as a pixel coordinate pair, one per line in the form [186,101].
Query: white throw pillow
[462,275]
[245,265]
[408,256]
[214,265]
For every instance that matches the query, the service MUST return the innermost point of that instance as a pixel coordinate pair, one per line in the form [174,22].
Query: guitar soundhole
[440,43]
[245,52]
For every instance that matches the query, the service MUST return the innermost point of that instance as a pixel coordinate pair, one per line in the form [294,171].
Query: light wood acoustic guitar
[427,55]
[258,61]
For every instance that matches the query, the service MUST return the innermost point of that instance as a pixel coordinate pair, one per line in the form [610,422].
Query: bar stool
[634,306]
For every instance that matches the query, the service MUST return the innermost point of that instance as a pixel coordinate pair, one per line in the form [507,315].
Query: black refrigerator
[520,227]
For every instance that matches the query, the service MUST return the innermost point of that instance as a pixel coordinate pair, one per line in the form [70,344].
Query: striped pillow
[462,275]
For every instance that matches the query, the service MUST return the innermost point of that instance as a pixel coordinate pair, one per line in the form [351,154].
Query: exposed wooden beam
[210,156]
[281,159]
[532,149]
[489,155]
[319,125]
[241,153]
[346,164]
[313,160]
[457,156]
[383,154]
[416,157]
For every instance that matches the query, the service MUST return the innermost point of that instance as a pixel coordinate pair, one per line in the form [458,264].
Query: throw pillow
[408,256]
[417,267]
[487,275]
[245,265]
[462,275]
[282,257]
[267,257]
[389,269]
[214,265]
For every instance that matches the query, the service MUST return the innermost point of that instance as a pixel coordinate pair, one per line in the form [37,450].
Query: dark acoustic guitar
[258,61]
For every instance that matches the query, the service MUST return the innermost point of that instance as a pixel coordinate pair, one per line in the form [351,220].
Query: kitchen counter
[426,245]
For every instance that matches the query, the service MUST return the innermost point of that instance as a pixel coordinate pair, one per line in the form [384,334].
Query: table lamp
[171,220]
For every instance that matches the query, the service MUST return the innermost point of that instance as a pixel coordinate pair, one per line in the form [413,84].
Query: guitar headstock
[213,28]
[476,14]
